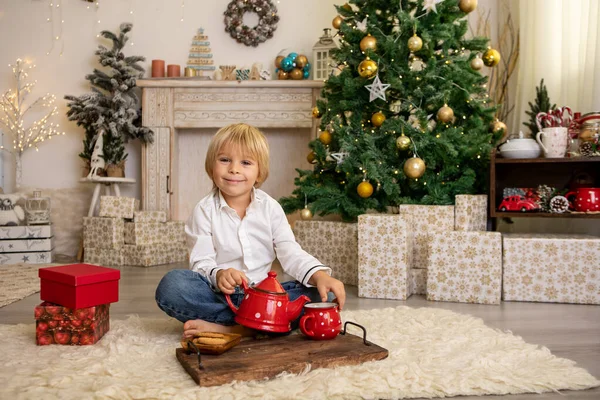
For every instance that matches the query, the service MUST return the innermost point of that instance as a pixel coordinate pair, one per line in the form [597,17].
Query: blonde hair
[250,140]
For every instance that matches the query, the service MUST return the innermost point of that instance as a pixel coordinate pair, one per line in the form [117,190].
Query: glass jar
[37,209]
[589,131]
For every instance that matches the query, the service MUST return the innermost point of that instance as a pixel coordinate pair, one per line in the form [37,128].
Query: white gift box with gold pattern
[103,256]
[150,216]
[427,219]
[154,254]
[465,267]
[551,268]
[418,281]
[470,212]
[143,233]
[335,244]
[118,207]
[100,232]
[384,256]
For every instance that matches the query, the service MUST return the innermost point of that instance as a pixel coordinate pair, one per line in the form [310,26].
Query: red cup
[173,71]
[321,321]
[585,199]
[158,68]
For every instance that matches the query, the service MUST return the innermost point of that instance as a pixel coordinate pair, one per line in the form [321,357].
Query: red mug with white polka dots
[321,321]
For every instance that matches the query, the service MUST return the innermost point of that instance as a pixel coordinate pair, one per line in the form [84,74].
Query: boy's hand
[228,279]
[325,284]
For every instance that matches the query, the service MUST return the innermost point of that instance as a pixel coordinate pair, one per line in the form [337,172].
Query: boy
[234,234]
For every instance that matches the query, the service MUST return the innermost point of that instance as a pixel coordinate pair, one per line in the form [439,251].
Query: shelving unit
[532,172]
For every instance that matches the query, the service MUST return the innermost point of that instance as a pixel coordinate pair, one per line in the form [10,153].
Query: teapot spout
[294,308]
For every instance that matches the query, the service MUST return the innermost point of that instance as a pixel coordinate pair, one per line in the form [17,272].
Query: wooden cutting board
[266,358]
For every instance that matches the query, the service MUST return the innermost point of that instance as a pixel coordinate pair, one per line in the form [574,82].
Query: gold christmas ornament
[315,112]
[377,119]
[301,61]
[477,63]
[403,142]
[337,22]
[364,189]
[414,168]
[347,7]
[306,214]
[415,43]
[445,114]
[278,61]
[368,42]
[325,137]
[296,74]
[467,6]
[491,57]
[367,68]
[282,75]
[311,157]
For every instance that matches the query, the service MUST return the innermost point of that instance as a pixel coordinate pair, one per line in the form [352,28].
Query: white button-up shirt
[218,239]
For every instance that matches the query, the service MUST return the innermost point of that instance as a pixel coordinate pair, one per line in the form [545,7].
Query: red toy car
[518,203]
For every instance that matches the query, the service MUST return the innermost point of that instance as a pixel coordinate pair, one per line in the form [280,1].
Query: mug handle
[538,138]
[303,325]
[568,196]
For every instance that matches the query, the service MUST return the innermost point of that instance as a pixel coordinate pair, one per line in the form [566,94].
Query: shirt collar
[256,196]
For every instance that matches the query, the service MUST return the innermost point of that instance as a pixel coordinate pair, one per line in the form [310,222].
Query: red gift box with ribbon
[79,285]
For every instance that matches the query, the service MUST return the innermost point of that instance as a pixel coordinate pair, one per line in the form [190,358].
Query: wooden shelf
[500,214]
[500,160]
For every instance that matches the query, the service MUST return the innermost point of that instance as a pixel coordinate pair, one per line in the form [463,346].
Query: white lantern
[322,59]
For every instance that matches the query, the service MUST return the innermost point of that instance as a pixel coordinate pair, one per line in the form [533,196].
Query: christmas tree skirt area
[432,353]
[18,281]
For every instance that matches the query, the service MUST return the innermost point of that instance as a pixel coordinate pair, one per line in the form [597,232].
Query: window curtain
[560,42]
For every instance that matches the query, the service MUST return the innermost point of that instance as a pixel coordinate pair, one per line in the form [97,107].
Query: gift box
[384,256]
[141,233]
[111,256]
[335,244]
[79,285]
[551,268]
[465,267]
[154,254]
[175,231]
[427,219]
[470,212]
[100,232]
[26,232]
[118,207]
[418,281]
[56,324]
[150,216]
[37,257]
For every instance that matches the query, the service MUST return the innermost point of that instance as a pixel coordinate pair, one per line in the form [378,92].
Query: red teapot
[267,307]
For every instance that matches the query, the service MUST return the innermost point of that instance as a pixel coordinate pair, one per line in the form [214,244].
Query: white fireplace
[184,113]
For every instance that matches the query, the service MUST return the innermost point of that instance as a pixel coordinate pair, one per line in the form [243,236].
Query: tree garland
[267,21]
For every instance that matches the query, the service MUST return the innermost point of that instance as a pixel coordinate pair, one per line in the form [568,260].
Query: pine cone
[586,149]
[559,204]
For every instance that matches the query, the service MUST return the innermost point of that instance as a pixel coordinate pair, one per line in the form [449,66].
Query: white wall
[158,33]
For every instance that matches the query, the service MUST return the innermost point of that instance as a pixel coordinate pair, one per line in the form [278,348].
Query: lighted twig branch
[13,111]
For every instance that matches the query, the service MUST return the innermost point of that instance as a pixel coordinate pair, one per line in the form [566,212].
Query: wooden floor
[569,331]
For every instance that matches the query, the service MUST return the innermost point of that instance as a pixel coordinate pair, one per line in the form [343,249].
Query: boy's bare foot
[193,327]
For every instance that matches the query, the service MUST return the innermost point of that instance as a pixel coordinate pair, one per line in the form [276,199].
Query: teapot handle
[538,139]
[228,298]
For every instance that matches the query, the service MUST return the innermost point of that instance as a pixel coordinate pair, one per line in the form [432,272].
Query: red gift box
[56,324]
[79,285]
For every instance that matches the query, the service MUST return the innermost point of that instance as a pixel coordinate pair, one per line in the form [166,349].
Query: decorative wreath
[267,21]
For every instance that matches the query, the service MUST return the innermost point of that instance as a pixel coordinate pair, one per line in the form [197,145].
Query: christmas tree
[542,104]
[407,121]
[200,54]
[113,107]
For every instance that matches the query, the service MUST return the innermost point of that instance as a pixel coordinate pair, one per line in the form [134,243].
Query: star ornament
[430,5]
[362,26]
[377,89]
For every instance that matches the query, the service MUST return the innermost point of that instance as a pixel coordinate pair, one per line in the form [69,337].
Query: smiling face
[235,173]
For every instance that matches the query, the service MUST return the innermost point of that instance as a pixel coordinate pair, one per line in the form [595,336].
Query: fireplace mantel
[169,105]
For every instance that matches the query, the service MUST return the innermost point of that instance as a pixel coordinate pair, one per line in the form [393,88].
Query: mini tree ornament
[415,43]
[325,137]
[445,114]
[364,189]
[467,6]
[316,113]
[414,167]
[337,22]
[403,142]
[497,126]
[477,63]
[368,43]
[377,119]
[491,57]
[305,213]
[367,68]
[377,89]
[311,157]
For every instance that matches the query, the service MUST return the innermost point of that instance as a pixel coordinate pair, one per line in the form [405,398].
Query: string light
[182,7]
[97,24]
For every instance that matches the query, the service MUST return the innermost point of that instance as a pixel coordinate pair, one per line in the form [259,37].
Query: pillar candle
[190,71]
[158,68]
[173,70]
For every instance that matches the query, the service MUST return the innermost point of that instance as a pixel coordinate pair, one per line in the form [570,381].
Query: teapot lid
[270,284]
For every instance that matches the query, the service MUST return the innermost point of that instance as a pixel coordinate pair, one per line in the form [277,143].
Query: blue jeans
[186,295]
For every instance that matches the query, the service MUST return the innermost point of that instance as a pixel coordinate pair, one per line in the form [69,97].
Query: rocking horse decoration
[97,159]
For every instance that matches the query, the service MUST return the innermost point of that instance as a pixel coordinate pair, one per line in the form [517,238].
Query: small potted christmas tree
[113,106]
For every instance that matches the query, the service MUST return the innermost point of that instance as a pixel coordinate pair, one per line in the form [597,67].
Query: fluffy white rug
[433,353]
